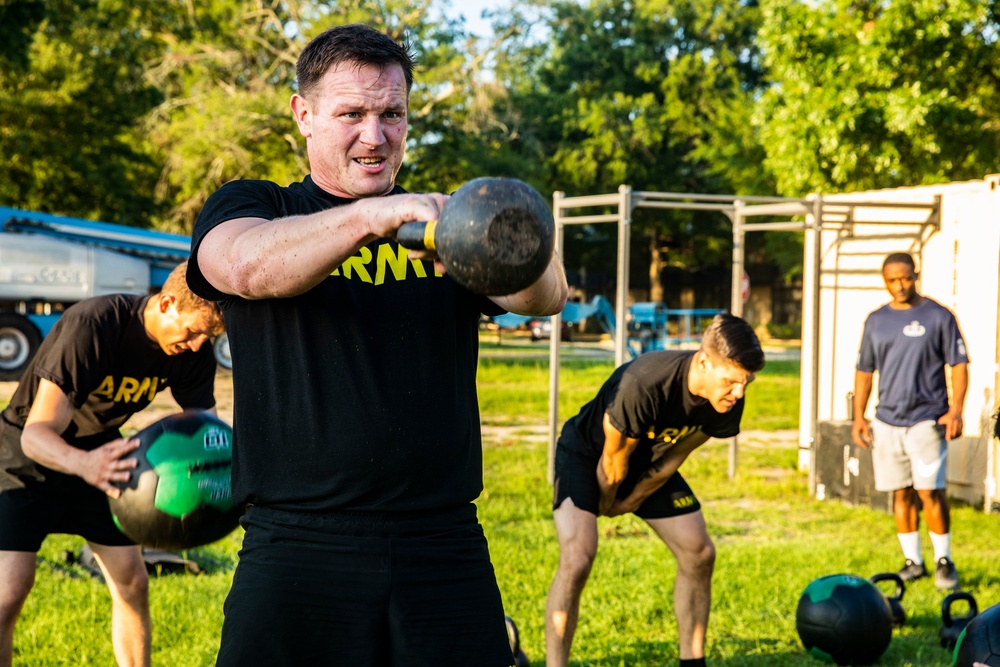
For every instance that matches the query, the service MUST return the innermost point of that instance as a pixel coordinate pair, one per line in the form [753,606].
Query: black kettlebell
[520,659]
[952,625]
[895,601]
[494,236]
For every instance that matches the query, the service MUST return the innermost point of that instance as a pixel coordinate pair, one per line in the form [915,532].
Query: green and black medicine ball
[180,495]
[980,641]
[844,619]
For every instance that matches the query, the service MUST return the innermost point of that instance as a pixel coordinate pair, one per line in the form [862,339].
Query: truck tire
[19,340]
[221,349]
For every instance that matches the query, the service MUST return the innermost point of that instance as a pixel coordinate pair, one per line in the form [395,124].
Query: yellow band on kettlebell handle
[429,235]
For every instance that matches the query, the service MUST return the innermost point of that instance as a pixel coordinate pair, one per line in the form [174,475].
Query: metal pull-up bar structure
[808,215]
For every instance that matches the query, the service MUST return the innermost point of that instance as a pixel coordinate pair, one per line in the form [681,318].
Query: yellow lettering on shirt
[418,267]
[107,388]
[389,264]
[129,390]
[394,261]
[126,389]
[671,435]
[147,386]
[357,264]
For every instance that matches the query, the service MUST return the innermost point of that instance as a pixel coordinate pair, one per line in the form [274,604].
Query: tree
[875,94]
[642,93]
[226,71]
[71,92]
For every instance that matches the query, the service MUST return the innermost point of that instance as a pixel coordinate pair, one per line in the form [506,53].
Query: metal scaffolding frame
[816,214]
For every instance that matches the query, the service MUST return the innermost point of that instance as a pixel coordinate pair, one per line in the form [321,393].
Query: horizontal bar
[877,204]
[589,200]
[687,206]
[718,198]
[775,226]
[584,219]
[786,208]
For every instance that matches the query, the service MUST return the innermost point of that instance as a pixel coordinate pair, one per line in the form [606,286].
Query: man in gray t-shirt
[909,341]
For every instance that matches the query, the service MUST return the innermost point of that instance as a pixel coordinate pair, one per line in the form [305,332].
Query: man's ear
[303,114]
[165,301]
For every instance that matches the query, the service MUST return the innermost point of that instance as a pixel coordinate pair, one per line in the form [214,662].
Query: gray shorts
[905,456]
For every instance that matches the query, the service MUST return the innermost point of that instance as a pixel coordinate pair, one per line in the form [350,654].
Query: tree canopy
[134,112]
[878,94]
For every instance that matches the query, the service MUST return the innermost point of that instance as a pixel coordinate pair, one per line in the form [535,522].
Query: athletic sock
[693,662]
[942,545]
[910,542]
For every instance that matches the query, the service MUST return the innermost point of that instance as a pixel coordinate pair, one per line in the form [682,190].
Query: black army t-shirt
[100,356]
[648,399]
[359,394]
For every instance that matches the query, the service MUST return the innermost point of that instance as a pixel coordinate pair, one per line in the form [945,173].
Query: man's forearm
[862,392]
[959,386]
[650,482]
[43,445]
[608,489]
[663,468]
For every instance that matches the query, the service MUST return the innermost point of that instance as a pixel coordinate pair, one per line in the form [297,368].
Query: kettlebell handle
[891,576]
[417,235]
[950,599]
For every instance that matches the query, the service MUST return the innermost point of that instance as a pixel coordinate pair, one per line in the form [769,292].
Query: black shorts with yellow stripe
[576,478]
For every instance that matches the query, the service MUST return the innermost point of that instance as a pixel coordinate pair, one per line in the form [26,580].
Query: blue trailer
[49,262]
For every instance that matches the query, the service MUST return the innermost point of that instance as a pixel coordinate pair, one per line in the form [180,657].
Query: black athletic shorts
[59,504]
[28,515]
[366,590]
[576,478]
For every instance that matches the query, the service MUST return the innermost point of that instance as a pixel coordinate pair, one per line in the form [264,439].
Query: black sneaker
[912,571]
[945,574]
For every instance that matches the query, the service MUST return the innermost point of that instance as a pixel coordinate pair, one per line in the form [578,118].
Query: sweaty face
[354,122]
[901,281]
[179,332]
[724,382]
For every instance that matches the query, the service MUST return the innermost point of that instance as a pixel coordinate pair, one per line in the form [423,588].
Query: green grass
[772,401]
[772,540]
[516,390]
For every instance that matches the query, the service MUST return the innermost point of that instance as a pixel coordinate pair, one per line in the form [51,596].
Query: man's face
[354,122]
[178,332]
[724,382]
[901,281]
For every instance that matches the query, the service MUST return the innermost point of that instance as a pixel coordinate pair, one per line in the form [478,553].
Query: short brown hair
[354,43]
[187,301]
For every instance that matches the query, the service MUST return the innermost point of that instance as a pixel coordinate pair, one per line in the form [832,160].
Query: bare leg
[576,530]
[905,509]
[125,572]
[17,576]
[687,537]
[937,513]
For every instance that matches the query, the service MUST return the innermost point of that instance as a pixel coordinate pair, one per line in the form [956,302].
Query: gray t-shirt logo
[914,329]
